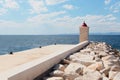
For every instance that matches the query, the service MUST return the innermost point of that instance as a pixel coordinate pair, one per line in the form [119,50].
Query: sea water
[16,43]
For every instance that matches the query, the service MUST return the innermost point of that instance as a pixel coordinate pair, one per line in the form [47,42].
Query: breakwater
[97,61]
[46,58]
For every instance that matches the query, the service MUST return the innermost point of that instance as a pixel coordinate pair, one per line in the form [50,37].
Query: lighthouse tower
[84,32]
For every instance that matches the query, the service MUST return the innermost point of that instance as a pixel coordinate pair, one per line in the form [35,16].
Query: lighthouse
[84,32]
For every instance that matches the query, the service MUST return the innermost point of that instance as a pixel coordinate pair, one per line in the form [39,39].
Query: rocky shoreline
[97,61]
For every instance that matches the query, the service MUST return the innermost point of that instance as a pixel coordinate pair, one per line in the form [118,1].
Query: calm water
[18,43]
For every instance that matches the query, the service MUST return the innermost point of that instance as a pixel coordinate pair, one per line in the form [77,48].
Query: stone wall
[84,33]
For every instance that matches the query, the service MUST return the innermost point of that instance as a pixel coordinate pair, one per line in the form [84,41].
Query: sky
[49,17]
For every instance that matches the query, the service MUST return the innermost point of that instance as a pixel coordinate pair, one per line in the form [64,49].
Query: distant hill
[110,33]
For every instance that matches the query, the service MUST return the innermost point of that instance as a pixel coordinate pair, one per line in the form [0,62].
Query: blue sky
[38,17]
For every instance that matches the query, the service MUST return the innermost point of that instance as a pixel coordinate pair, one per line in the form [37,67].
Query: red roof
[84,24]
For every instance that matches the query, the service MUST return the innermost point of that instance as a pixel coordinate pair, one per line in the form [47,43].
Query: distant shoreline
[57,34]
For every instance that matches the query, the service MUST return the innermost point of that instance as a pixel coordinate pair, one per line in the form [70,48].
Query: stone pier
[27,65]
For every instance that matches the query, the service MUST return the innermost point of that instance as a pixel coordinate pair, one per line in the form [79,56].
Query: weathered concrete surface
[10,61]
[32,68]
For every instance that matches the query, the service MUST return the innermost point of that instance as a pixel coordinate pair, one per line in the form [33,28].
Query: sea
[15,43]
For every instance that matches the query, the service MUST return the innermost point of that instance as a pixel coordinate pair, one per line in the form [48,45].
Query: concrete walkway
[10,61]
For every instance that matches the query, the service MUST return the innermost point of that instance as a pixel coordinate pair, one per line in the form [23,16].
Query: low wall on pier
[32,69]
